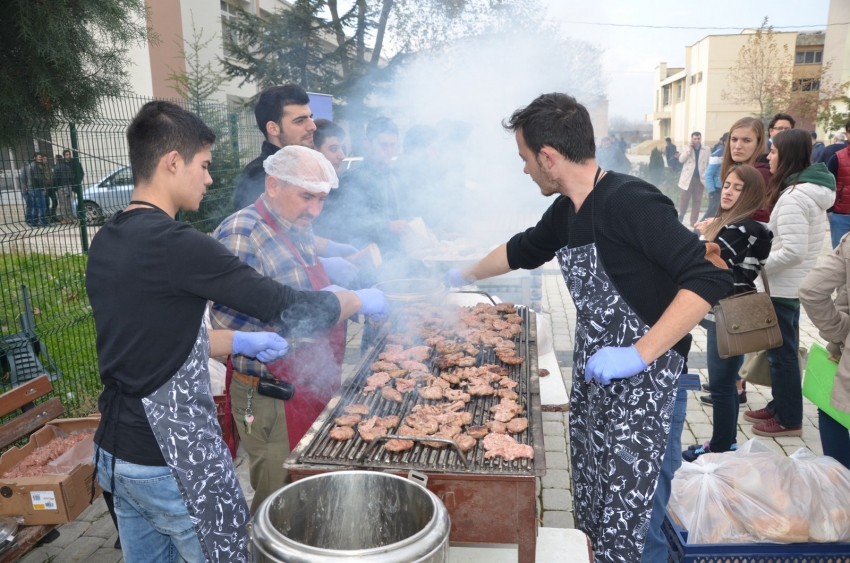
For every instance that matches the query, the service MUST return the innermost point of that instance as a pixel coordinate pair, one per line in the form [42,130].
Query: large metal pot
[352,515]
[403,292]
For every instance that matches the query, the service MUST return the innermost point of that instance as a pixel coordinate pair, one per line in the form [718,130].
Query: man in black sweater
[159,448]
[640,282]
[284,117]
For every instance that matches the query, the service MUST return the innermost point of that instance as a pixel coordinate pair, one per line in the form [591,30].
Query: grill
[473,489]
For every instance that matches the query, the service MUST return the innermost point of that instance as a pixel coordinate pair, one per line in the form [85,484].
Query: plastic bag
[829,490]
[747,496]
[80,453]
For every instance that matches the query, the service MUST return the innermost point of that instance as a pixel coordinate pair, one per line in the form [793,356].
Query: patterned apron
[618,433]
[182,415]
[315,368]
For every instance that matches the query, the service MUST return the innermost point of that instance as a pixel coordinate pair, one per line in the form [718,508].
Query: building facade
[690,98]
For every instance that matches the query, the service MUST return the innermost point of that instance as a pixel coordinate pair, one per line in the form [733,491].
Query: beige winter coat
[686,157]
[832,318]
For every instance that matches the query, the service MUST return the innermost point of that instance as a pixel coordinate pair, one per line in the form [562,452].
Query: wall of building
[836,50]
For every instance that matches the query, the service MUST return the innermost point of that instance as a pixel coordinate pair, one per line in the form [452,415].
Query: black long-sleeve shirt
[648,254]
[148,279]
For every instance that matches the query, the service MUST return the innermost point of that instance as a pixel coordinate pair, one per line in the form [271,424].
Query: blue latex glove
[333,289]
[373,303]
[454,279]
[338,249]
[613,363]
[264,346]
[339,270]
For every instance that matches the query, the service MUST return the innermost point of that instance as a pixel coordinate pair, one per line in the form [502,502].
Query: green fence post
[78,189]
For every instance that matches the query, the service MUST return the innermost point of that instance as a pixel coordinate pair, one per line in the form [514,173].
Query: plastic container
[679,551]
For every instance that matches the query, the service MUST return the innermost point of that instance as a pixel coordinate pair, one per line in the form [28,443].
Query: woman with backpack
[744,246]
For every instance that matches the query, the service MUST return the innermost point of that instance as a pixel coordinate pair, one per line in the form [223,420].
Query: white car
[107,196]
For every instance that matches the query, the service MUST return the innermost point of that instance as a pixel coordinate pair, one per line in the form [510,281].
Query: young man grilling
[149,277]
[640,282]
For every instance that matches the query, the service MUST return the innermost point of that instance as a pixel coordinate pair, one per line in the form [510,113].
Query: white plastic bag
[829,495]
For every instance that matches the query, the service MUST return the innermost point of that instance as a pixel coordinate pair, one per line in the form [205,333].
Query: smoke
[465,91]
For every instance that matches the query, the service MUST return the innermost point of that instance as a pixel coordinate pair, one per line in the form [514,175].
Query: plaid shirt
[249,237]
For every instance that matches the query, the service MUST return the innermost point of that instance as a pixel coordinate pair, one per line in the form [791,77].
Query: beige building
[689,98]
[172,21]
[836,50]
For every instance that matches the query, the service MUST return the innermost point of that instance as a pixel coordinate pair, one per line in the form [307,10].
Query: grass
[63,321]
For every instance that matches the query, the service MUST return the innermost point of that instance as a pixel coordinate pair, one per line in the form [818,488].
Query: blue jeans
[153,522]
[787,404]
[655,550]
[834,438]
[839,225]
[35,211]
[722,374]
[713,204]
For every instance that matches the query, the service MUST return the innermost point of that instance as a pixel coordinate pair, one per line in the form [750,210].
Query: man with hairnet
[274,235]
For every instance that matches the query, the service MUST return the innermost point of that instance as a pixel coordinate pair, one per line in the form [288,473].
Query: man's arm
[494,264]
[678,319]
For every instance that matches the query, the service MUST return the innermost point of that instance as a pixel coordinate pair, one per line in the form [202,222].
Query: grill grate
[322,449]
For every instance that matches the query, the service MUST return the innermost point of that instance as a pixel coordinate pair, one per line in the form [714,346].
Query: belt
[249,380]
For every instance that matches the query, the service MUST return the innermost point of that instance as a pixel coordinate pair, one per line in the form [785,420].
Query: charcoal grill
[489,500]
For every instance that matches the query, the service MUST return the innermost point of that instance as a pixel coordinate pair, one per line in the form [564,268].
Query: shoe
[742,399]
[772,429]
[693,452]
[759,416]
[706,388]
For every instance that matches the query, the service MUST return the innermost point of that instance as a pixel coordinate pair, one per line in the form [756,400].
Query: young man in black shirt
[640,282]
[149,277]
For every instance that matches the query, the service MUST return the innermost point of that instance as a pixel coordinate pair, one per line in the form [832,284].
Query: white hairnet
[302,167]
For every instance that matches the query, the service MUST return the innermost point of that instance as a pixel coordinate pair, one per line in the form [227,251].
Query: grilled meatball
[341,433]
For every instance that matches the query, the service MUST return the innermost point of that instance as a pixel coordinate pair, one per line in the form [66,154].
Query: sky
[631,54]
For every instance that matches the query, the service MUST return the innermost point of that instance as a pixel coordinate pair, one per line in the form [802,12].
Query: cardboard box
[47,499]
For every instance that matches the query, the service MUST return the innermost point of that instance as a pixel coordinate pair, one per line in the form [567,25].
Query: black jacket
[252,182]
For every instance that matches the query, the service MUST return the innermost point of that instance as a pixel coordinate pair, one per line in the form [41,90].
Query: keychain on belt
[249,413]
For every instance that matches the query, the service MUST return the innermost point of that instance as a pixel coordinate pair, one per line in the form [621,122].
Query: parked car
[107,196]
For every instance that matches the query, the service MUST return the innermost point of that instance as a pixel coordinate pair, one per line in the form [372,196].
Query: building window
[806,85]
[680,90]
[667,95]
[808,57]
[227,13]
[696,78]
[699,76]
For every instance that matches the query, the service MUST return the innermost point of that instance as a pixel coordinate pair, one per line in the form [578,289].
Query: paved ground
[90,538]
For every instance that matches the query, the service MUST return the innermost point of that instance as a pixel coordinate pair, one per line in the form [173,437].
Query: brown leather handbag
[747,323]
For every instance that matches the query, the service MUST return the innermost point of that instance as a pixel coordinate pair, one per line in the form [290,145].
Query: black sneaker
[706,388]
[693,452]
[742,399]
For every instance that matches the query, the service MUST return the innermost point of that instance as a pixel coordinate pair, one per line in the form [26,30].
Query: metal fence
[47,253]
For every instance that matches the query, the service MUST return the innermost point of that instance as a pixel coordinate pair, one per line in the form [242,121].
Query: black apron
[618,433]
[182,415]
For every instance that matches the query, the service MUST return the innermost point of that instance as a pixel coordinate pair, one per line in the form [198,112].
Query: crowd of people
[47,188]
[281,275]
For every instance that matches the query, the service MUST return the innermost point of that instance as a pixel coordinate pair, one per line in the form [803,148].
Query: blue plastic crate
[679,551]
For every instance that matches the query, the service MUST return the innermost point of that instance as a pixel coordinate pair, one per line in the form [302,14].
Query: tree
[200,81]
[833,119]
[291,45]
[810,98]
[63,58]
[760,72]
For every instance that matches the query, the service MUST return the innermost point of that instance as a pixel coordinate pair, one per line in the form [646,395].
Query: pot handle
[418,477]
[249,528]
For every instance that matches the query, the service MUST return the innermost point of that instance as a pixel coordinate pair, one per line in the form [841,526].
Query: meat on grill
[451,377]
[506,307]
[456,395]
[517,425]
[507,394]
[347,420]
[477,432]
[465,362]
[396,445]
[507,383]
[341,433]
[500,445]
[505,410]
[396,373]
[543,372]
[383,366]
[405,385]
[497,427]
[389,421]
[434,340]
[438,382]
[410,365]
[391,394]
[511,360]
[376,380]
[465,442]
[423,423]
[369,429]
[447,347]
[464,417]
[481,390]
[432,393]
[420,375]
[356,408]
